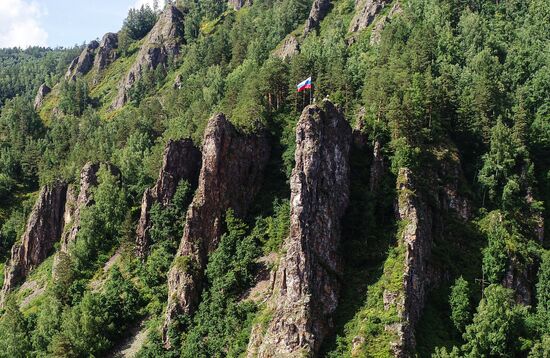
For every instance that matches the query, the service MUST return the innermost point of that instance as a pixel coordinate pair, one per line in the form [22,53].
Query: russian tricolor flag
[305,84]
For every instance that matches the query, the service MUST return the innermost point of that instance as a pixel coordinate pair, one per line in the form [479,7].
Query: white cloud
[139,3]
[20,24]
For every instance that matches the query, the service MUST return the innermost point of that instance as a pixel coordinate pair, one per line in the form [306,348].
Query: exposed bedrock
[231,174]
[107,51]
[319,9]
[43,91]
[307,281]
[42,231]
[83,63]
[163,42]
[181,161]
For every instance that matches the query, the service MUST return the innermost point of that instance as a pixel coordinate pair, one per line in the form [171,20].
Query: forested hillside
[170,193]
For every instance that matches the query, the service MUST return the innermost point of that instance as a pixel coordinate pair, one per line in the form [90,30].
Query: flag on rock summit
[305,84]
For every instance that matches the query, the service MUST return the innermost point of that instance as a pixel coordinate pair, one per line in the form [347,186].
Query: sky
[53,23]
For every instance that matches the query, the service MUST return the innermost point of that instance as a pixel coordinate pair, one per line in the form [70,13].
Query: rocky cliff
[319,10]
[376,34]
[181,161]
[238,4]
[42,231]
[416,237]
[43,91]
[307,282]
[288,48]
[75,204]
[162,42]
[83,63]
[365,12]
[230,176]
[107,51]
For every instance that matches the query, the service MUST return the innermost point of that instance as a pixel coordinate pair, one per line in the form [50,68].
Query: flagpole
[310,89]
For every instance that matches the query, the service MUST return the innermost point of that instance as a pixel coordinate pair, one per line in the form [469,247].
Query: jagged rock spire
[307,282]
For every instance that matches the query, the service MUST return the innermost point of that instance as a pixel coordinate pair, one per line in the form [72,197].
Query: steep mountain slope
[175,191]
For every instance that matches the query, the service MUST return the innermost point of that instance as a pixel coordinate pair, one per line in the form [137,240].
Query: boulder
[181,161]
[42,231]
[307,281]
[230,176]
[43,91]
[163,42]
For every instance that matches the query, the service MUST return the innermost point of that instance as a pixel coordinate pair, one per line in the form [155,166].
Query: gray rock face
[289,48]
[231,175]
[83,63]
[43,91]
[238,4]
[181,161]
[450,199]
[306,286]
[106,53]
[43,229]
[74,204]
[417,239]
[319,10]
[365,12]
[521,279]
[162,42]
[384,20]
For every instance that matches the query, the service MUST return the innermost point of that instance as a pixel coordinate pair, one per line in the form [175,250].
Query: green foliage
[101,224]
[496,325]
[221,318]
[139,22]
[23,71]
[90,327]
[74,97]
[14,337]
[543,294]
[459,300]
[506,243]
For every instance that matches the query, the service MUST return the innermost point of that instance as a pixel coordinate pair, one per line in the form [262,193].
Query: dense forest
[443,246]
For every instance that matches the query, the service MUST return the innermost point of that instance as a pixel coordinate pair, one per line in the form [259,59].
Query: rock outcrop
[83,63]
[238,4]
[365,12]
[181,161]
[307,281]
[378,167]
[75,204]
[231,175]
[43,91]
[521,279]
[290,47]
[450,199]
[376,34]
[42,231]
[417,239]
[163,42]
[319,9]
[107,51]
